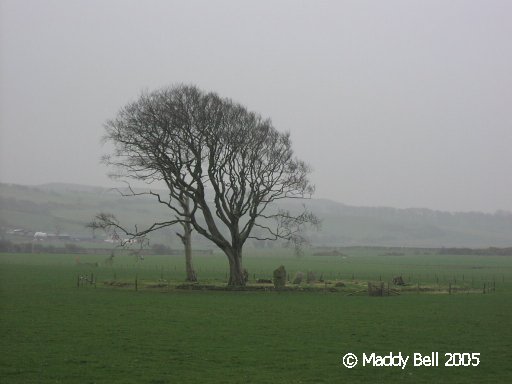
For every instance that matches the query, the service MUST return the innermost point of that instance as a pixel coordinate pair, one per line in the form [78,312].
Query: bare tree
[231,164]
[110,224]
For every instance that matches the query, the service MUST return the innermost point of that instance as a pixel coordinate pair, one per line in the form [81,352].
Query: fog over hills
[68,207]
[394,103]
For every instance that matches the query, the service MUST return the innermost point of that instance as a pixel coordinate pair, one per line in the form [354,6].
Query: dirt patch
[114,283]
[158,285]
[255,288]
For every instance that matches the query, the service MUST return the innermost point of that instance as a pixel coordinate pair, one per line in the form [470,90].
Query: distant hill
[68,207]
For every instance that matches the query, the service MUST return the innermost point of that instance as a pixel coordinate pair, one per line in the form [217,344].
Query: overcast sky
[393,103]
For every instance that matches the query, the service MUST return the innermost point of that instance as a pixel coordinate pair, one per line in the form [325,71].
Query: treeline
[36,247]
[9,246]
[491,251]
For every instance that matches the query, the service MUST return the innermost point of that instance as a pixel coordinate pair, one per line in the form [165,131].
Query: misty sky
[393,103]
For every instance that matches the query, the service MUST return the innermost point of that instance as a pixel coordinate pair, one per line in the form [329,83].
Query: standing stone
[280,277]
[311,278]
[299,276]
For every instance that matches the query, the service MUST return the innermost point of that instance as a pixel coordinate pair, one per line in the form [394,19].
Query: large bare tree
[229,163]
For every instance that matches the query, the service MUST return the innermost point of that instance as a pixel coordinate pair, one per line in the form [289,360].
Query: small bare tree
[110,224]
[230,164]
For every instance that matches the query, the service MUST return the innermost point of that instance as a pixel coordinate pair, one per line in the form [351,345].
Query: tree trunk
[237,277]
[191,273]
[187,243]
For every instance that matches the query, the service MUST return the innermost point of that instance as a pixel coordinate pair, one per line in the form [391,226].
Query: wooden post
[418,291]
[136,283]
[484,287]
[449,288]
[78,281]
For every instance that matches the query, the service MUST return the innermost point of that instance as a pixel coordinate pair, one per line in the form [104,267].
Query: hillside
[66,208]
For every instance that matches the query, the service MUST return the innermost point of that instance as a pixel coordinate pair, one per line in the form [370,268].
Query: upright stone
[311,278]
[280,277]
[299,276]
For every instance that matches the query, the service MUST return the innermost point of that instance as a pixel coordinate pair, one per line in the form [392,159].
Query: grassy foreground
[52,332]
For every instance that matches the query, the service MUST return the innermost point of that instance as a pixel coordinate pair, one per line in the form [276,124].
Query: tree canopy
[229,163]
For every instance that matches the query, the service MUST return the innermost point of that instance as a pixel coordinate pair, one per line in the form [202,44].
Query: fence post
[449,288]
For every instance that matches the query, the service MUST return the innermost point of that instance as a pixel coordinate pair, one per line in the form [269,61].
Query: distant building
[19,232]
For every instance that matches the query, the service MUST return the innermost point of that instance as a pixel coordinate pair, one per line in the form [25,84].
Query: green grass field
[54,332]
